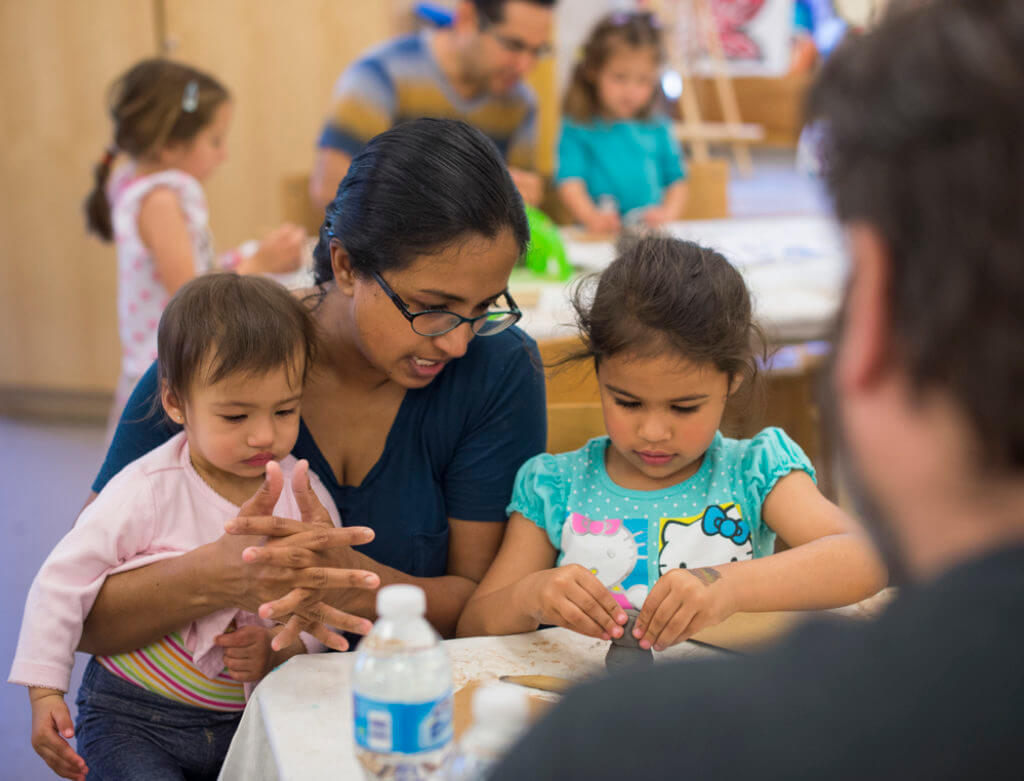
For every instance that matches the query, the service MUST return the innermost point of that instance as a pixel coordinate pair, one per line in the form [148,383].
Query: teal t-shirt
[630,538]
[632,161]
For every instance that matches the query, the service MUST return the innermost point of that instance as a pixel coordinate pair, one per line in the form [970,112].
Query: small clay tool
[625,651]
[548,683]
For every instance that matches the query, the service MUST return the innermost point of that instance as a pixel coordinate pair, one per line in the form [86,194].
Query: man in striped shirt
[472,70]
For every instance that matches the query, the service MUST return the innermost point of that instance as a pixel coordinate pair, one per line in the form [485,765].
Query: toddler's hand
[603,222]
[246,652]
[683,602]
[51,726]
[573,597]
[281,250]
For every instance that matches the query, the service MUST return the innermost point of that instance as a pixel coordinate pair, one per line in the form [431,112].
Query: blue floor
[45,472]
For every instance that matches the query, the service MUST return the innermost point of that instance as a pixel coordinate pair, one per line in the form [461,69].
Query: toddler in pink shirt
[233,354]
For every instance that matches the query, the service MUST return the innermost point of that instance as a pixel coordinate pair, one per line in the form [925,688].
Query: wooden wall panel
[58,323]
[280,61]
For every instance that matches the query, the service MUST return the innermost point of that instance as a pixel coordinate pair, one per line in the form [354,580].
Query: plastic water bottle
[402,691]
[500,715]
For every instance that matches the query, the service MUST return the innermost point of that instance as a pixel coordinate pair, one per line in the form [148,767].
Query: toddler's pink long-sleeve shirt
[155,508]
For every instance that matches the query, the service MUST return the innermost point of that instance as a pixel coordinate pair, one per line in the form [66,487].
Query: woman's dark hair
[155,103]
[663,294]
[611,34]
[220,324]
[924,141]
[414,190]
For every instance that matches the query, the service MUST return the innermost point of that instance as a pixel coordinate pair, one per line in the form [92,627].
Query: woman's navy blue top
[452,451]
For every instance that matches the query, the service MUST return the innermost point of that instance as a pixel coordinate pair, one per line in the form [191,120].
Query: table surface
[795,268]
[298,723]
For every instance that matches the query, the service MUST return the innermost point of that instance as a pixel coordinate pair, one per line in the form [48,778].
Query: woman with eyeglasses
[421,404]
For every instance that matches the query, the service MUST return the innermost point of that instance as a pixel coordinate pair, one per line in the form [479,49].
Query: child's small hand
[683,602]
[573,597]
[246,652]
[281,250]
[603,222]
[51,727]
[656,216]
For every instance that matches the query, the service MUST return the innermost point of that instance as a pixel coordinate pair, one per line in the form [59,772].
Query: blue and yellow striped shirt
[400,80]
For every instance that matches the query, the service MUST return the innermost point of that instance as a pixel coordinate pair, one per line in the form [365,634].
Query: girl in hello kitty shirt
[665,515]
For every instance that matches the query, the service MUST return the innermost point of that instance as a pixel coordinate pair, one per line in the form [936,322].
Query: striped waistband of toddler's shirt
[166,668]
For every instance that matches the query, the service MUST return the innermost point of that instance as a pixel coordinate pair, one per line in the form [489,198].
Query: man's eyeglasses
[435,322]
[511,44]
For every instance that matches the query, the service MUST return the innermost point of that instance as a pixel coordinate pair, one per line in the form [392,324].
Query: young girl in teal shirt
[618,161]
[666,516]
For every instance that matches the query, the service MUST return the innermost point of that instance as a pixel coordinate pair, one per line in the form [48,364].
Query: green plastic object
[545,256]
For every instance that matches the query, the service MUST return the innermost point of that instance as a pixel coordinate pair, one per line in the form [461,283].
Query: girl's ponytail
[97,205]
[154,103]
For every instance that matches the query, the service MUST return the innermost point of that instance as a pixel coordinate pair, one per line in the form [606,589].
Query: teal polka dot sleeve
[540,494]
[769,456]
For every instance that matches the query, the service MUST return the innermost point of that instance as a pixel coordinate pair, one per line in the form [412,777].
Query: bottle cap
[401,600]
[501,703]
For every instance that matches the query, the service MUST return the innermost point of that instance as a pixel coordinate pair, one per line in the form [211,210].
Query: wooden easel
[681,16]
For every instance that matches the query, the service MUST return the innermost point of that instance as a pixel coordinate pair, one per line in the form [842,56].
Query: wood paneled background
[58,321]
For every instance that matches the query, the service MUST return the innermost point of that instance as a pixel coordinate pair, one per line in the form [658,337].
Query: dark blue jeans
[125,732]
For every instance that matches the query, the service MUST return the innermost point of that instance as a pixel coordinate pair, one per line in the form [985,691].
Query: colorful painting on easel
[756,36]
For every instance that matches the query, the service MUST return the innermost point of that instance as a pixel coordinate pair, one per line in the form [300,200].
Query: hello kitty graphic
[609,548]
[715,536]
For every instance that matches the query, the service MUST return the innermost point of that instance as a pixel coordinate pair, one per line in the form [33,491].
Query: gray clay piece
[626,651]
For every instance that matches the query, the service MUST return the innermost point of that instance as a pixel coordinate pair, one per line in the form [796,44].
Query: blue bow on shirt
[715,521]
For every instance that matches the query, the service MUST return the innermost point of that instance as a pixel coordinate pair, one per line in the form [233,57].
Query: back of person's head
[223,324]
[416,189]
[667,296]
[612,34]
[155,103]
[924,142]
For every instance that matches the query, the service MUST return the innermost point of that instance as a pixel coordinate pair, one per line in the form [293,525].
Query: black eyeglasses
[510,44]
[435,322]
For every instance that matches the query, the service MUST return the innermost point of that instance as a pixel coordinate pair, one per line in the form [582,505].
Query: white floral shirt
[141,297]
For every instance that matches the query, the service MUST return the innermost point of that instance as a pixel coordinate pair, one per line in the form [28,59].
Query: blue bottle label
[400,727]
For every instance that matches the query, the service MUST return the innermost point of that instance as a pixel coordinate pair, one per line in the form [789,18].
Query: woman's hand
[294,570]
[290,575]
[51,727]
[683,602]
[573,597]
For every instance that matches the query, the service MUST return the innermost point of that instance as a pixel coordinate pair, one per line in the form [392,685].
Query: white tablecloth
[298,723]
[794,267]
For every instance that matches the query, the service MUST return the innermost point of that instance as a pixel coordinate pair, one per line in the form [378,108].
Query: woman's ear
[341,266]
[174,409]
[735,383]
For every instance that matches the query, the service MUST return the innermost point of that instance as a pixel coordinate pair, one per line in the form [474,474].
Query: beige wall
[58,321]
[58,326]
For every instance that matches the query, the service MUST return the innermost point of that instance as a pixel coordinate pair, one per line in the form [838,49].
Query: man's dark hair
[493,11]
[923,123]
